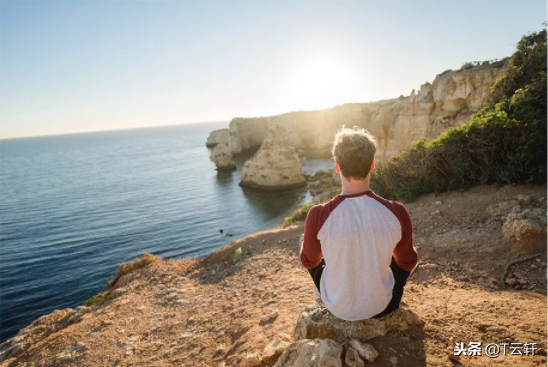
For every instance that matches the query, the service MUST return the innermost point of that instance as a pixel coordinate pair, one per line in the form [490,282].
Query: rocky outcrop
[275,166]
[215,137]
[527,228]
[524,222]
[40,329]
[315,321]
[324,185]
[448,101]
[324,340]
[222,157]
[307,352]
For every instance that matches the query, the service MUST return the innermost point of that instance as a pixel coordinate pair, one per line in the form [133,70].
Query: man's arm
[405,253]
[311,250]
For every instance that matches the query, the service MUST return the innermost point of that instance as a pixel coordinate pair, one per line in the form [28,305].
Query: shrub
[300,214]
[505,142]
[125,268]
[96,299]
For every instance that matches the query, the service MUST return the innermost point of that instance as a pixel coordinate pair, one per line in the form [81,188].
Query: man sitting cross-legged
[358,247]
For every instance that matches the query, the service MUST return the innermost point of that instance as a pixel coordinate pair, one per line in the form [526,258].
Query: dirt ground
[210,315]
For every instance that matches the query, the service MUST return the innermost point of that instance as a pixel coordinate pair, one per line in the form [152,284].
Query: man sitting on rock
[358,247]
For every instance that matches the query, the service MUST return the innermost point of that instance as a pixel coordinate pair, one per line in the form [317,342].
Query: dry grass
[126,268]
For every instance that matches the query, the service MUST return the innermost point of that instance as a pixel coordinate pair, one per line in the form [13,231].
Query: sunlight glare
[322,82]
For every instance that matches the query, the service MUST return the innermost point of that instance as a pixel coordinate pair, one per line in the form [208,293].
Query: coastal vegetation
[503,143]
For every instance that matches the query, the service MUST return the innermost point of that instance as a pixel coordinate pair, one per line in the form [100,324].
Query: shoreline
[209,311]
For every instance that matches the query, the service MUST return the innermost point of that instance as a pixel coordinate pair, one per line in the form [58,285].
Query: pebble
[271,316]
[511,282]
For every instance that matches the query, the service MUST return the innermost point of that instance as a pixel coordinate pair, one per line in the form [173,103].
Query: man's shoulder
[323,210]
[394,206]
[328,206]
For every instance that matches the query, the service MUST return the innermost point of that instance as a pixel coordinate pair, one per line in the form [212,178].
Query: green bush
[298,215]
[505,142]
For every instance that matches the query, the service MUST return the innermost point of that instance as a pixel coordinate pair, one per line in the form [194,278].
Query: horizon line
[108,130]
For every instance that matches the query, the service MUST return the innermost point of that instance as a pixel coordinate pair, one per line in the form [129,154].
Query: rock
[8,351]
[252,359]
[366,351]
[215,137]
[40,329]
[523,200]
[424,273]
[527,228]
[269,317]
[393,360]
[438,203]
[275,166]
[274,349]
[222,157]
[511,282]
[435,213]
[304,353]
[503,208]
[352,358]
[315,321]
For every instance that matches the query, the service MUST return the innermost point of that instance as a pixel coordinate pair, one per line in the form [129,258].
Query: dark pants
[400,277]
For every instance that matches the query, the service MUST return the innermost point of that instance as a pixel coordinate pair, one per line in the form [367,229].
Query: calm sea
[73,207]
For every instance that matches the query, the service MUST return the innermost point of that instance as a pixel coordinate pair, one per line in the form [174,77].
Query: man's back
[357,236]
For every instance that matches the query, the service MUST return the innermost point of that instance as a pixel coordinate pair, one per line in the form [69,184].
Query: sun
[322,82]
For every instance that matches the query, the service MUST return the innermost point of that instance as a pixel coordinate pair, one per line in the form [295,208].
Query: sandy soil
[210,314]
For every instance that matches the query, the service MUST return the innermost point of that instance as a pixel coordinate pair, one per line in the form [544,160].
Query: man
[358,247]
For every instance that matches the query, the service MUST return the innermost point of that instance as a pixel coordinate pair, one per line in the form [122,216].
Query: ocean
[73,207]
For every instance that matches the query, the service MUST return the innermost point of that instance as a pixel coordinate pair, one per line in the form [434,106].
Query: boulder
[503,208]
[527,228]
[316,353]
[215,137]
[315,321]
[352,358]
[366,351]
[275,348]
[275,166]
[222,157]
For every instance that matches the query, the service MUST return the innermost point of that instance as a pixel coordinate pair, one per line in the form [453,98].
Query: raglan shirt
[357,235]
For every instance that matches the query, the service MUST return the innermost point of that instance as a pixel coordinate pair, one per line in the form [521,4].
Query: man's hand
[301,241]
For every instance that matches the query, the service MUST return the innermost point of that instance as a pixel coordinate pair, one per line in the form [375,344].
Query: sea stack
[275,166]
[222,157]
[217,137]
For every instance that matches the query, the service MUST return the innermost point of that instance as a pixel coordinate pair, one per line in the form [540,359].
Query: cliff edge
[225,309]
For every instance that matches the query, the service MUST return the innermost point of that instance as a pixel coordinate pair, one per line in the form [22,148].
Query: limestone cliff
[448,101]
[217,137]
[275,166]
[222,157]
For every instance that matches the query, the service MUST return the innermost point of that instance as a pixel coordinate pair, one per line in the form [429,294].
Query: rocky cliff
[222,157]
[275,166]
[448,101]
[217,137]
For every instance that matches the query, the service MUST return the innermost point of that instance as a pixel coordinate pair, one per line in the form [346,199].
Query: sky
[92,65]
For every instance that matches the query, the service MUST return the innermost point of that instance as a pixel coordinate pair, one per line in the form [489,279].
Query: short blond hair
[354,149]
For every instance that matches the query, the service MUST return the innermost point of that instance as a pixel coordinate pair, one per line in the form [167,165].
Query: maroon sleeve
[404,253]
[311,253]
